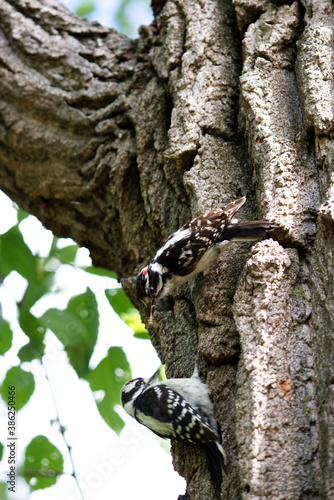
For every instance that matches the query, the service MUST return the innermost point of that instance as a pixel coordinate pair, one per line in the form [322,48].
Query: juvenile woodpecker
[179,409]
[194,248]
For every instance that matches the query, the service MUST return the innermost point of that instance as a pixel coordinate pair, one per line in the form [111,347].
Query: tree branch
[70,97]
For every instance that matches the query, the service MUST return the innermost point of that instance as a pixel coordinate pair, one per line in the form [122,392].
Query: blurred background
[69,340]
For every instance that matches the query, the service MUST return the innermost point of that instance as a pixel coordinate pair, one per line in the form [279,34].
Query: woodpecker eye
[138,383]
[151,290]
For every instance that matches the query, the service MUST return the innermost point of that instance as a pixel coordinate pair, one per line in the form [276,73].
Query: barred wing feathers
[183,249]
[172,417]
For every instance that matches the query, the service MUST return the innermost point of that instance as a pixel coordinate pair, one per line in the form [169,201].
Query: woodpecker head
[132,389]
[142,285]
[149,282]
[130,392]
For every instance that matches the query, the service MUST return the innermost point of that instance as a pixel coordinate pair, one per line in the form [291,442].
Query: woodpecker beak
[154,376]
[150,313]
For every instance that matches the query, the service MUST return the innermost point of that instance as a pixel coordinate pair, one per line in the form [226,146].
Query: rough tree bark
[116,143]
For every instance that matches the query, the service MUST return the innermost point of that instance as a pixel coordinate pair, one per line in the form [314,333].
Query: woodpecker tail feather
[243,231]
[216,457]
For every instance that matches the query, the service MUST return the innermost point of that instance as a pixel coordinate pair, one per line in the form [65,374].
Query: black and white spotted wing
[182,251]
[168,415]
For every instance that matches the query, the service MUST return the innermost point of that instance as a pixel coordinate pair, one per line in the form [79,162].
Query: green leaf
[77,328]
[123,19]
[54,247]
[142,335]
[21,214]
[99,271]
[118,300]
[6,336]
[32,350]
[23,383]
[3,490]
[31,325]
[36,289]
[67,254]
[58,256]
[15,255]
[109,376]
[86,7]
[43,463]
[125,310]
[133,321]
[34,329]
[1,451]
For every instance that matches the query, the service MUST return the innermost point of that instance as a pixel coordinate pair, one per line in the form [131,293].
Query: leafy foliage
[3,491]
[98,271]
[109,378]
[33,328]
[23,382]
[15,255]
[6,335]
[85,8]
[43,463]
[125,19]
[125,310]
[76,327]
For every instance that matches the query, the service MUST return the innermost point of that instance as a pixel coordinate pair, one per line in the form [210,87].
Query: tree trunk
[116,143]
